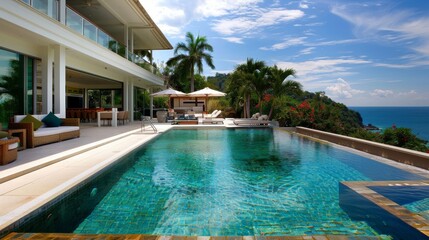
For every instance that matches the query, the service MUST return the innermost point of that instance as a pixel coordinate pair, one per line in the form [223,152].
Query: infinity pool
[221,183]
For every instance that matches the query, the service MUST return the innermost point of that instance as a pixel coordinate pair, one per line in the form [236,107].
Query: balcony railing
[84,27]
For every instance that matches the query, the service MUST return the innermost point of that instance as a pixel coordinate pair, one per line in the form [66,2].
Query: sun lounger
[251,122]
[212,120]
[214,114]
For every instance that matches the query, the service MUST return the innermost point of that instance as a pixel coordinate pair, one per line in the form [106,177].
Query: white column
[60,80]
[125,94]
[62,11]
[47,60]
[114,117]
[126,41]
[151,103]
[130,40]
[131,100]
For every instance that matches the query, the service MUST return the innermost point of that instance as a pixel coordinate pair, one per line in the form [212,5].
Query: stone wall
[410,157]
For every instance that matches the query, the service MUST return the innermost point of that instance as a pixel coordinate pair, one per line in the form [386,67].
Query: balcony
[86,28]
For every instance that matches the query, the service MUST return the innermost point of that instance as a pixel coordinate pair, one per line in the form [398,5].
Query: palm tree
[261,84]
[248,78]
[280,86]
[191,55]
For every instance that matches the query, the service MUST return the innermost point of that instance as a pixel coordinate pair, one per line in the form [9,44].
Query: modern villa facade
[60,54]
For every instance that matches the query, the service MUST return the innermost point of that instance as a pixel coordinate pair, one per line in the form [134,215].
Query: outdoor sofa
[256,120]
[67,128]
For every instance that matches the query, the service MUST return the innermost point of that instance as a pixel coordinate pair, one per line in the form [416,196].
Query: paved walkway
[91,137]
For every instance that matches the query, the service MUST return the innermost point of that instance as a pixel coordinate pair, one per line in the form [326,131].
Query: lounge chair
[255,120]
[213,118]
[250,122]
[214,114]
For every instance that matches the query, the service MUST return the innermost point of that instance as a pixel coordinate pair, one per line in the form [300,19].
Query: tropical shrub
[403,137]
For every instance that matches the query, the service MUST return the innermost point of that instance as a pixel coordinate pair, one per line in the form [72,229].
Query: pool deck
[41,174]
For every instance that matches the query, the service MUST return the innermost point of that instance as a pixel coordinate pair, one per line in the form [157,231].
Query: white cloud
[306,51]
[249,23]
[234,40]
[321,66]
[409,93]
[233,26]
[318,73]
[390,65]
[308,24]
[303,5]
[286,43]
[239,16]
[382,24]
[381,93]
[172,16]
[334,42]
[342,89]
[210,8]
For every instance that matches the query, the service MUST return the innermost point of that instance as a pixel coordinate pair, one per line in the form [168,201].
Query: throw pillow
[31,119]
[51,120]
[4,134]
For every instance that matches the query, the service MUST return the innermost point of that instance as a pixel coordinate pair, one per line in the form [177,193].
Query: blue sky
[373,53]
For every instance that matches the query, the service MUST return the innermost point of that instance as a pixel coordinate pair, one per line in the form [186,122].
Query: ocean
[416,118]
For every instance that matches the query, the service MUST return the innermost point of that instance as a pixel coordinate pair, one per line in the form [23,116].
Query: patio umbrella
[169,92]
[207,92]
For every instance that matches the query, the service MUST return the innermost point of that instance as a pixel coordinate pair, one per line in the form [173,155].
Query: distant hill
[218,80]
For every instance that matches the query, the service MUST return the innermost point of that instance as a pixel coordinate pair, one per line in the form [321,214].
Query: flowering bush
[403,137]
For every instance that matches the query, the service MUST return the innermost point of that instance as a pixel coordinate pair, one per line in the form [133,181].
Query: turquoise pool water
[233,182]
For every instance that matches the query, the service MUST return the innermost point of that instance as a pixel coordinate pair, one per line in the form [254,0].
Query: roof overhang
[113,17]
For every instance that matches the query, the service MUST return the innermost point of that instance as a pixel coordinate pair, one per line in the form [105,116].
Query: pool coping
[412,219]
[159,237]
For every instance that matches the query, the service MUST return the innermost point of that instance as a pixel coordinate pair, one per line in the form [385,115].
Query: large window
[105,98]
[16,85]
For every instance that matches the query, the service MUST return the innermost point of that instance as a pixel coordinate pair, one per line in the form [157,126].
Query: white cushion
[13,146]
[263,118]
[54,130]
[255,116]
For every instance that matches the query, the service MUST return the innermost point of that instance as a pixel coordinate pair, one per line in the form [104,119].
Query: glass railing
[85,28]
[48,7]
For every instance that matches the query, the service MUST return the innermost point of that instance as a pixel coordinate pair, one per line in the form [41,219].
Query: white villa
[61,54]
